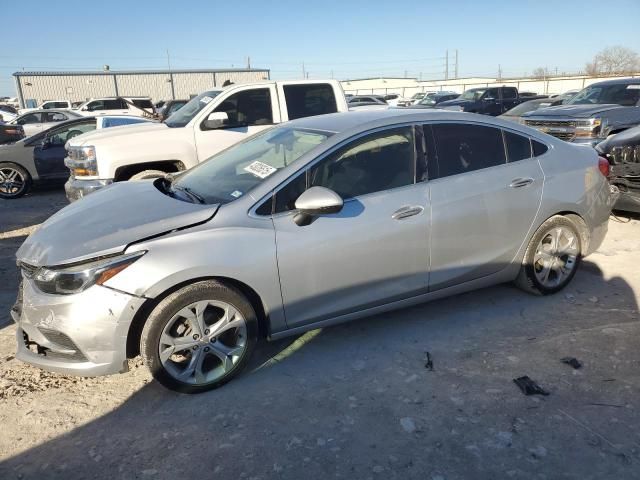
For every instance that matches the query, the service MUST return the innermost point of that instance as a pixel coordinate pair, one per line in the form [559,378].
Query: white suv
[138,106]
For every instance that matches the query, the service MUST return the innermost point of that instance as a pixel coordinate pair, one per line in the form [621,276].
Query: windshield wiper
[189,192]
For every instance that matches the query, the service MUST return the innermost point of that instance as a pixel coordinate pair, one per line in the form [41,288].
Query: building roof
[136,72]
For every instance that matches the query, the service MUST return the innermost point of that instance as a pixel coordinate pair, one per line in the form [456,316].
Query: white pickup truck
[209,123]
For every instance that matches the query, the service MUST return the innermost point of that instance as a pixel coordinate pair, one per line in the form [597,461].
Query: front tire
[552,257]
[15,181]
[199,337]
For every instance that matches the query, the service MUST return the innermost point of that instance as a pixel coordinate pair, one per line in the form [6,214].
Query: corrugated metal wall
[157,85]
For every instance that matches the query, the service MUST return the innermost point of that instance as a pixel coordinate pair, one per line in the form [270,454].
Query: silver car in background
[304,225]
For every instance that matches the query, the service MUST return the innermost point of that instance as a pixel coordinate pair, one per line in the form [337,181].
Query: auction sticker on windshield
[259,169]
[206,99]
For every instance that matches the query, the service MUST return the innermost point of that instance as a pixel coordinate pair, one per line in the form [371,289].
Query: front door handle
[520,182]
[407,211]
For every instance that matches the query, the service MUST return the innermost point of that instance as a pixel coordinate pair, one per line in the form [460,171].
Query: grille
[58,338]
[562,135]
[551,123]
[28,270]
[562,129]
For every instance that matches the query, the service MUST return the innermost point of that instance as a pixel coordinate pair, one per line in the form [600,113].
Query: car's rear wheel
[199,337]
[552,257]
[15,181]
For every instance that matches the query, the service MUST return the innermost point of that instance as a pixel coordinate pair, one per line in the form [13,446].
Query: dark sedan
[10,133]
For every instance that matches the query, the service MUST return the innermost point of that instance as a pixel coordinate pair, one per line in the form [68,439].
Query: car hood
[451,103]
[106,221]
[628,138]
[577,111]
[126,131]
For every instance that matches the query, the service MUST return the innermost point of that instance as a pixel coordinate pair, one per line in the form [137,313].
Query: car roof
[619,81]
[361,120]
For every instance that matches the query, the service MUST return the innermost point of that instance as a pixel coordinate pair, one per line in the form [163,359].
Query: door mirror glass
[316,201]
[216,120]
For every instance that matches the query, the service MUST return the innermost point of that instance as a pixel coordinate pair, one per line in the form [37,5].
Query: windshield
[474,94]
[417,96]
[235,171]
[525,107]
[181,117]
[625,95]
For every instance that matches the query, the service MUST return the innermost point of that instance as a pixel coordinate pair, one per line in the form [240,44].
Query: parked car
[366,100]
[487,101]
[6,115]
[36,121]
[10,133]
[433,100]
[601,109]
[307,224]
[515,114]
[40,158]
[209,123]
[170,107]
[139,106]
[564,97]
[48,105]
[392,99]
[623,153]
[415,99]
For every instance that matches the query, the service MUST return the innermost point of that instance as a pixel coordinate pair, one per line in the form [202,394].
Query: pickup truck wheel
[15,181]
[552,257]
[199,337]
[146,174]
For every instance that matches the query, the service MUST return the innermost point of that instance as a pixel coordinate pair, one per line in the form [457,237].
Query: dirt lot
[356,401]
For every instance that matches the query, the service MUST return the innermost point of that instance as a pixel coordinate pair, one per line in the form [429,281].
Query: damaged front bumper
[82,334]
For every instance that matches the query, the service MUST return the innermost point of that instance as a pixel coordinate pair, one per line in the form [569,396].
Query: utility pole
[499,72]
[446,66]
[304,74]
[405,74]
[332,74]
[456,71]
[173,89]
[248,63]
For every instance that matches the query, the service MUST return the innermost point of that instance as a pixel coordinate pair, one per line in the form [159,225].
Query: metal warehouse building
[157,84]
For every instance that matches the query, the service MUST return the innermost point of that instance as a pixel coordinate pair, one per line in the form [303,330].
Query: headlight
[82,161]
[591,128]
[76,278]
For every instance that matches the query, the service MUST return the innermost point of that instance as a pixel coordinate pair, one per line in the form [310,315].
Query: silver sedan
[307,224]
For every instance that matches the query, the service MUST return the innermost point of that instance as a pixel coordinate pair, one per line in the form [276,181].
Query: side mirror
[216,120]
[46,142]
[316,201]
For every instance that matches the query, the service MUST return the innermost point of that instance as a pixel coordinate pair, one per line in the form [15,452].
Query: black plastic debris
[574,362]
[529,387]
[428,361]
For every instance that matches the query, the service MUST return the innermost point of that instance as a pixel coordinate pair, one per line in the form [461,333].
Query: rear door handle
[520,182]
[407,211]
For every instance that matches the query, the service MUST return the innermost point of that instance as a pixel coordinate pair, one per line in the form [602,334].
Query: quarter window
[539,148]
[509,93]
[286,197]
[463,148]
[249,107]
[310,99]
[376,162]
[518,147]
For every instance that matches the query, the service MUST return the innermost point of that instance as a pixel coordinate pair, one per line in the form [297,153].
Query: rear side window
[518,146]
[539,148]
[115,104]
[509,93]
[310,99]
[463,148]
[142,103]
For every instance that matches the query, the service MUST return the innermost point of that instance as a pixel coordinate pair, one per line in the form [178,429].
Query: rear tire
[199,337]
[15,181]
[552,257]
[147,174]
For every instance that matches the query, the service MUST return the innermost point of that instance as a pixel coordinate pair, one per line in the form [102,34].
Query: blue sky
[350,39]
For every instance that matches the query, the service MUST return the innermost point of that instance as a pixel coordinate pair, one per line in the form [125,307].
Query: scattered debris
[529,387]
[606,405]
[572,361]
[593,299]
[408,424]
[428,361]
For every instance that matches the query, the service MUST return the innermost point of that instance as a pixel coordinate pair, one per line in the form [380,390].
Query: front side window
[518,146]
[54,117]
[473,94]
[376,162]
[463,148]
[194,106]
[309,99]
[62,136]
[492,93]
[143,103]
[509,93]
[248,107]
[30,118]
[235,171]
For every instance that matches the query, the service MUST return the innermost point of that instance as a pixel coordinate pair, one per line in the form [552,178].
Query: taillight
[603,166]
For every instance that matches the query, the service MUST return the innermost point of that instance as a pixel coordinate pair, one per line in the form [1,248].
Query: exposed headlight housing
[591,128]
[71,279]
[82,161]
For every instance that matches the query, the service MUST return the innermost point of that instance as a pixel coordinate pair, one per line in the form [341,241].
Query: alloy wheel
[203,341]
[555,257]
[12,181]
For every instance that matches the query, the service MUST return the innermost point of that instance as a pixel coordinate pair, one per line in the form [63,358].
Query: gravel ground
[356,401]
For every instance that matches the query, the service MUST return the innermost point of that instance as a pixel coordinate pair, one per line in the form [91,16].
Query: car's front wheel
[199,337]
[552,257]
[15,181]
